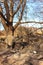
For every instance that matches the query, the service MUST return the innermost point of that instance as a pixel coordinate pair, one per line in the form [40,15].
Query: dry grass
[31,54]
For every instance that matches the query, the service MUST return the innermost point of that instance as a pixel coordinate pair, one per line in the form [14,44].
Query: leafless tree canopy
[8,10]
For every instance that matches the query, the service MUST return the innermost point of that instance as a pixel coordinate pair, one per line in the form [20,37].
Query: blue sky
[35,7]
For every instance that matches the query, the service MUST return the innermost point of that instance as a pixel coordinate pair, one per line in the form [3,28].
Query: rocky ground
[24,53]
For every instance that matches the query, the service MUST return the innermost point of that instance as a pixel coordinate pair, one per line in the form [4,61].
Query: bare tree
[7,18]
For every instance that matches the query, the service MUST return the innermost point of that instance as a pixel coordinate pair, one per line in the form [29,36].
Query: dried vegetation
[28,48]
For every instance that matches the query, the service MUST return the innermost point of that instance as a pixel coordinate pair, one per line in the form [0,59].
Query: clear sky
[34,11]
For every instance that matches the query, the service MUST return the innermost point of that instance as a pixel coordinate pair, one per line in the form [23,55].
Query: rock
[40,62]
[39,31]
[41,47]
[40,57]
[34,52]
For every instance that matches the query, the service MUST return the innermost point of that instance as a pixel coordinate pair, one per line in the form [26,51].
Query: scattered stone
[40,62]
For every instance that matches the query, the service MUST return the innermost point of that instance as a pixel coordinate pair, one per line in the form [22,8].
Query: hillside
[28,49]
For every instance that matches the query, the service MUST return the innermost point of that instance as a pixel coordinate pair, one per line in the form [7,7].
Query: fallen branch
[7,52]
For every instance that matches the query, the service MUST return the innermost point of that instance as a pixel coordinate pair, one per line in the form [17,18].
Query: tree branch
[17,8]
[30,22]
[4,20]
[4,23]
[23,6]
[18,23]
[11,11]
[1,14]
[7,9]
